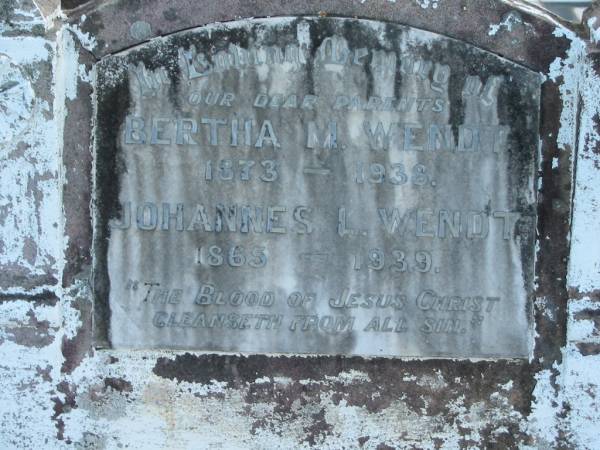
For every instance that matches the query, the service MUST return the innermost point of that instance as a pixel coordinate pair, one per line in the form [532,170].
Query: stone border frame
[114,99]
[530,42]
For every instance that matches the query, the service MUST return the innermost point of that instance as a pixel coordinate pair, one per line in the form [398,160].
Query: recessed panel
[323,186]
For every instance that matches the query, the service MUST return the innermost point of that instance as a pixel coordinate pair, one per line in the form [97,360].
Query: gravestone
[298,224]
[315,185]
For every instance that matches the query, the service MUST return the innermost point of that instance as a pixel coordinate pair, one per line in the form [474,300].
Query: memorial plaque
[315,185]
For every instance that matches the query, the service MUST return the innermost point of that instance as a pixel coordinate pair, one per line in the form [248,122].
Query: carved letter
[134,130]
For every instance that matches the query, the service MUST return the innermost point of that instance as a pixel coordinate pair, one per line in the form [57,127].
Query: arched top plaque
[315,185]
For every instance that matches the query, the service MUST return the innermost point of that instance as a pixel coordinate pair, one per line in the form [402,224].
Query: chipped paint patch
[30,214]
[85,39]
[594,31]
[427,3]
[510,20]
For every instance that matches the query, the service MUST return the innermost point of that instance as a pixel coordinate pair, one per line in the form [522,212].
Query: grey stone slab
[304,185]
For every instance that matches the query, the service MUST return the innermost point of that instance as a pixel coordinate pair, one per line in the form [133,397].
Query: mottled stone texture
[60,392]
[319,186]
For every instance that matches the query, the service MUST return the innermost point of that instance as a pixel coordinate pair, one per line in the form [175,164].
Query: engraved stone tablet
[315,185]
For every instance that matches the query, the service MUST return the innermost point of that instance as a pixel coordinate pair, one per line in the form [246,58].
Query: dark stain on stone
[258,425]
[590,390]
[362,440]
[466,443]
[41,298]
[384,446]
[14,275]
[437,442]
[74,350]
[544,55]
[92,25]
[72,4]
[44,373]
[387,382]
[34,333]
[63,407]
[553,229]
[267,423]
[318,430]
[77,187]
[7,10]
[448,19]
[588,348]
[113,104]
[30,250]
[133,5]
[71,350]
[170,14]
[494,439]
[593,315]
[118,384]
[38,30]
[18,151]
[576,294]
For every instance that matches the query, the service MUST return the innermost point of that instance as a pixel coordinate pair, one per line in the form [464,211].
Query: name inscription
[287,190]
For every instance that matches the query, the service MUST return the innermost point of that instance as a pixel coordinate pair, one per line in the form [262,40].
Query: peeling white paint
[584,264]
[533,9]
[427,3]
[570,71]
[28,375]
[594,31]
[29,195]
[161,413]
[25,49]
[576,380]
[350,377]
[509,21]
[580,381]
[85,39]
[16,100]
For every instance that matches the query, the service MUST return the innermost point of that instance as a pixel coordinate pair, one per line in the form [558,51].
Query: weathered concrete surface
[59,393]
[29,205]
[503,28]
[347,187]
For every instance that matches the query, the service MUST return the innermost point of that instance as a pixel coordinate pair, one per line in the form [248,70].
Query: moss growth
[7,10]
